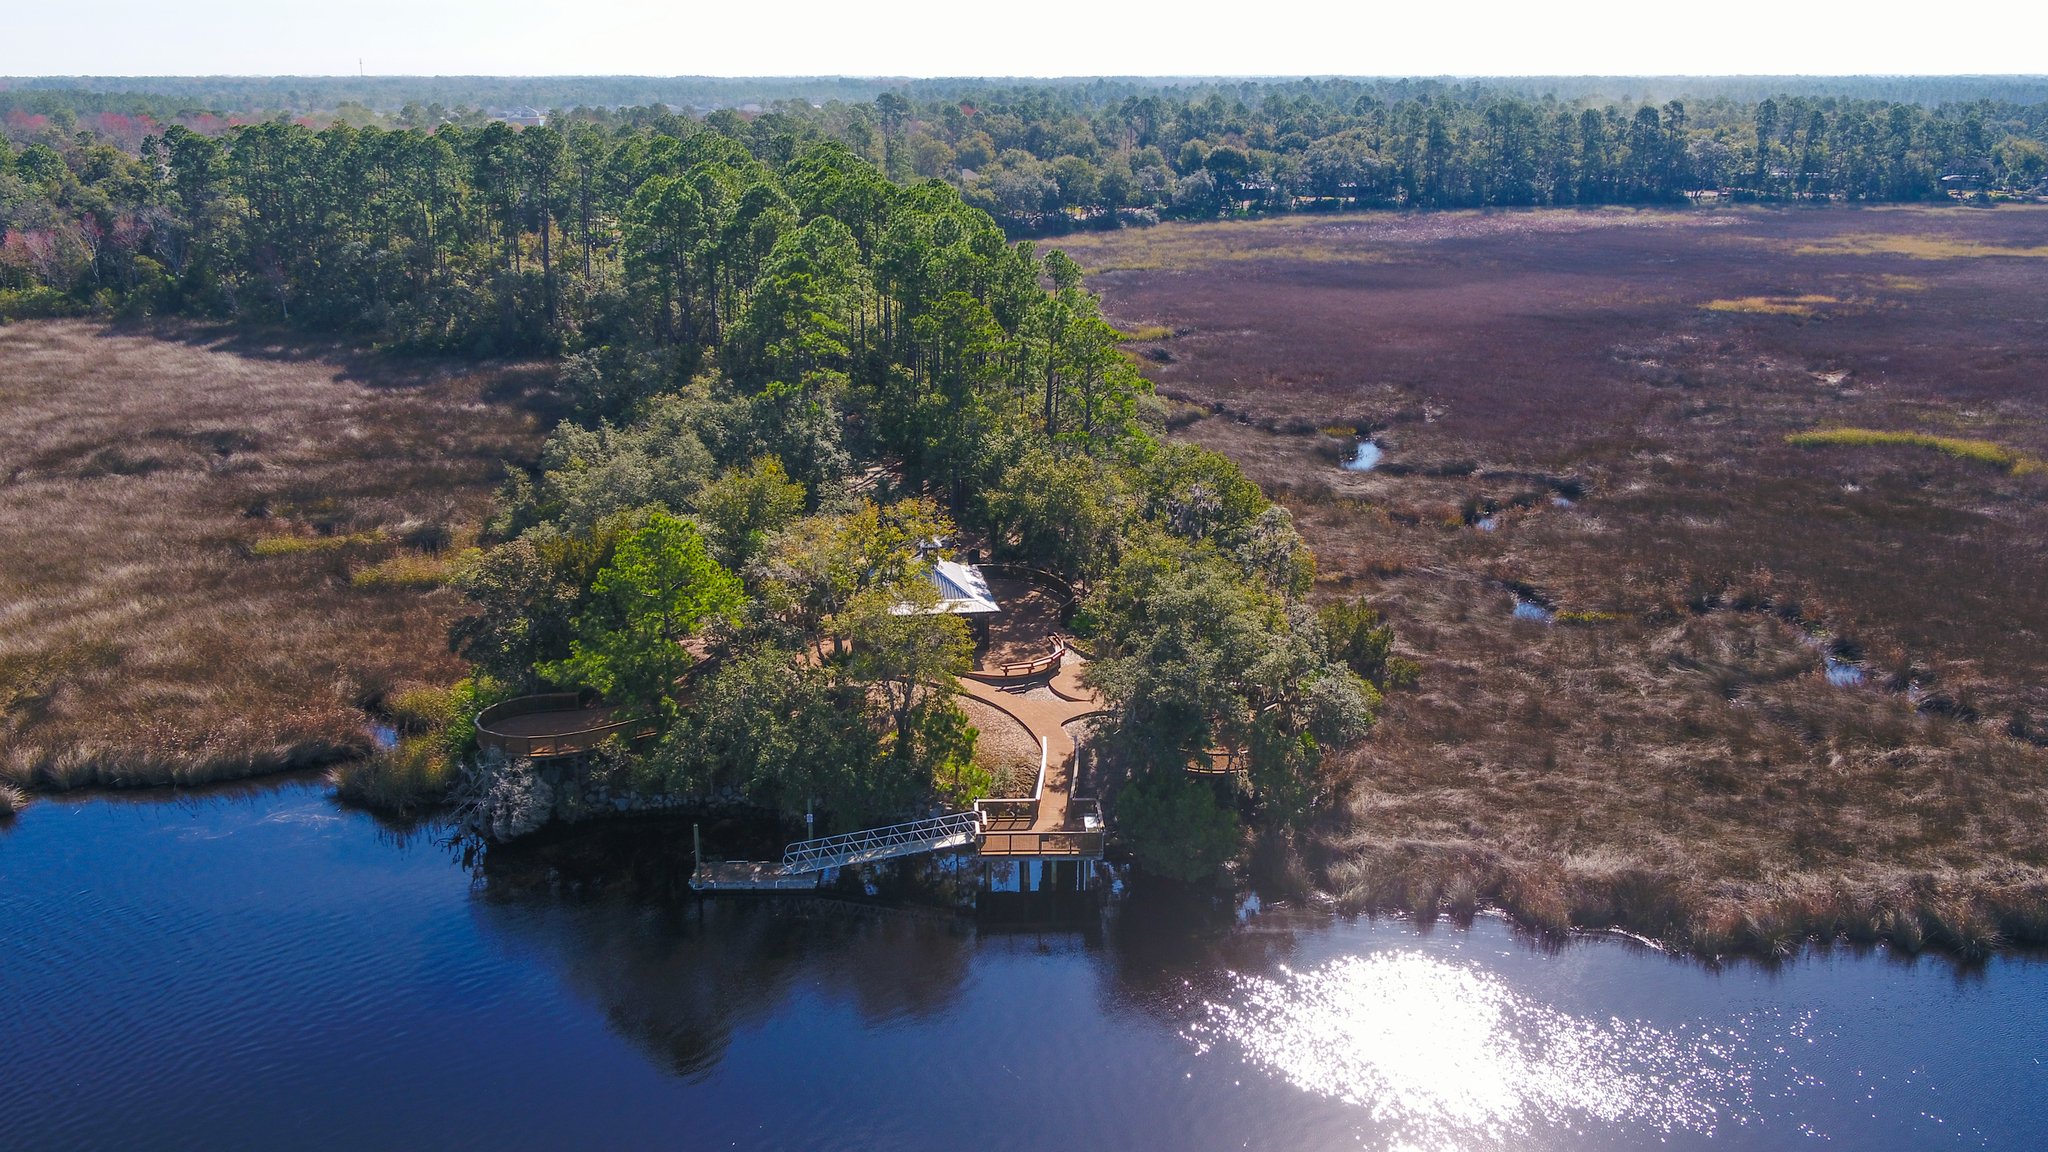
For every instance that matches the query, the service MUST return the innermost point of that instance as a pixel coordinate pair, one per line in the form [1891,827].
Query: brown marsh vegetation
[1611,416]
[222,554]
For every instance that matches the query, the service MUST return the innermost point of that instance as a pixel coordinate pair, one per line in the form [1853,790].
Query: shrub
[12,800]
[1361,640]
[34,301]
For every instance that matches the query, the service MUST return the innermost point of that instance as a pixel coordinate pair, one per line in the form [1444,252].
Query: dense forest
[1025,154]
[1045,157]
[788,377]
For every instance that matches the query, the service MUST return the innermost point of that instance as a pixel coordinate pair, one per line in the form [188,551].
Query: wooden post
[697,845]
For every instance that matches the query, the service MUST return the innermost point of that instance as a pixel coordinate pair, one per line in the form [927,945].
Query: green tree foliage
[436,228]
[656,463]
[1064,510]
[1176,826]
[1364,643]
[794,735]
[660,588]
[528,593]
[742,508]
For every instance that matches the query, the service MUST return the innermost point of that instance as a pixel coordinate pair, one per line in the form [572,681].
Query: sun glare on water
[1447,1056]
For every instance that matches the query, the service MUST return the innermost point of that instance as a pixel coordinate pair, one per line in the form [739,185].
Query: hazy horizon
[1145,38]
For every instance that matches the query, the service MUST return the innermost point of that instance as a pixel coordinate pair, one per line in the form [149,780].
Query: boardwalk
[1055,821]
[1052,827]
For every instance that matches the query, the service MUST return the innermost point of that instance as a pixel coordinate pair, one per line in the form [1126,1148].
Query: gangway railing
[908,839]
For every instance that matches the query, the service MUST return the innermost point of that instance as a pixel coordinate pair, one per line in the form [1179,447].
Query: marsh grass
[1670,759]
[411,570]
[1916,246]
[1805,305]
[293,544]
[415,775]
[1230,241]
[181,516]
[422,708]
[1975,451]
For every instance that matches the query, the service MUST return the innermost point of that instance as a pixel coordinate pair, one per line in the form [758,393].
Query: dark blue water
[266,970]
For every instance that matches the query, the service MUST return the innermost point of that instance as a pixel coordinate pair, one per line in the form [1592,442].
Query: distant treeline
[1035,154]
[397,225]
[1048,156]
[306,95]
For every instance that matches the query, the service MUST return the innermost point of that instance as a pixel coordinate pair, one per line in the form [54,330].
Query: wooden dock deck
[751,876]
[1060,824]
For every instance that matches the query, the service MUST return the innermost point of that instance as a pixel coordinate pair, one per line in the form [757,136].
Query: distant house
[524,117]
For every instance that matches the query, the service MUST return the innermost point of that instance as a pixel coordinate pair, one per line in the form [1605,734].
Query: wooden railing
[1050,581]
[1021,669]
[578,734]
[1220,762]
[1016,810]
[1001,836]
[1082,843]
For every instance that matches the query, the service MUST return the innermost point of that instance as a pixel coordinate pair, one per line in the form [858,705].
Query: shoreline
[1764,932]
[1912,913]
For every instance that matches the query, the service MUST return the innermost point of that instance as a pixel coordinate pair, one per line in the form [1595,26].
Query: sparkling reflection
[1445,1055]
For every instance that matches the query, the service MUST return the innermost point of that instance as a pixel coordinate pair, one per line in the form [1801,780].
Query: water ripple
[1445,1054]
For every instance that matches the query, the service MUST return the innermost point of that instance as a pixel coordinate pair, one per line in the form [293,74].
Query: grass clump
[1772,305]
[410,570]
[1146,333]
[1976,451]
[439,726]
[288,544]
[416,774]
[423,708]
[1915,247]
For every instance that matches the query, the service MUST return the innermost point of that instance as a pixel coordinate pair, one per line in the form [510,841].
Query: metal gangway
[952,830]
[804,862]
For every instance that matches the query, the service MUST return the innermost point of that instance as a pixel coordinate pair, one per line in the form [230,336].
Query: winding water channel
[259,968]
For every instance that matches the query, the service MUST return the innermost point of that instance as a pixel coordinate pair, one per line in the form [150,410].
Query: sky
[970,38]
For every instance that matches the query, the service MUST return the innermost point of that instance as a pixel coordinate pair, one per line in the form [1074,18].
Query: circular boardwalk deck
[553,724]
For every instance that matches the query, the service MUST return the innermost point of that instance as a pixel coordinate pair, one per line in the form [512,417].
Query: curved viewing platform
[1024,642]
[1012,671]
[554,724]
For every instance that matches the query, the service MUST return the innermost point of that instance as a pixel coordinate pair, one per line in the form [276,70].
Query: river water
[259,968]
